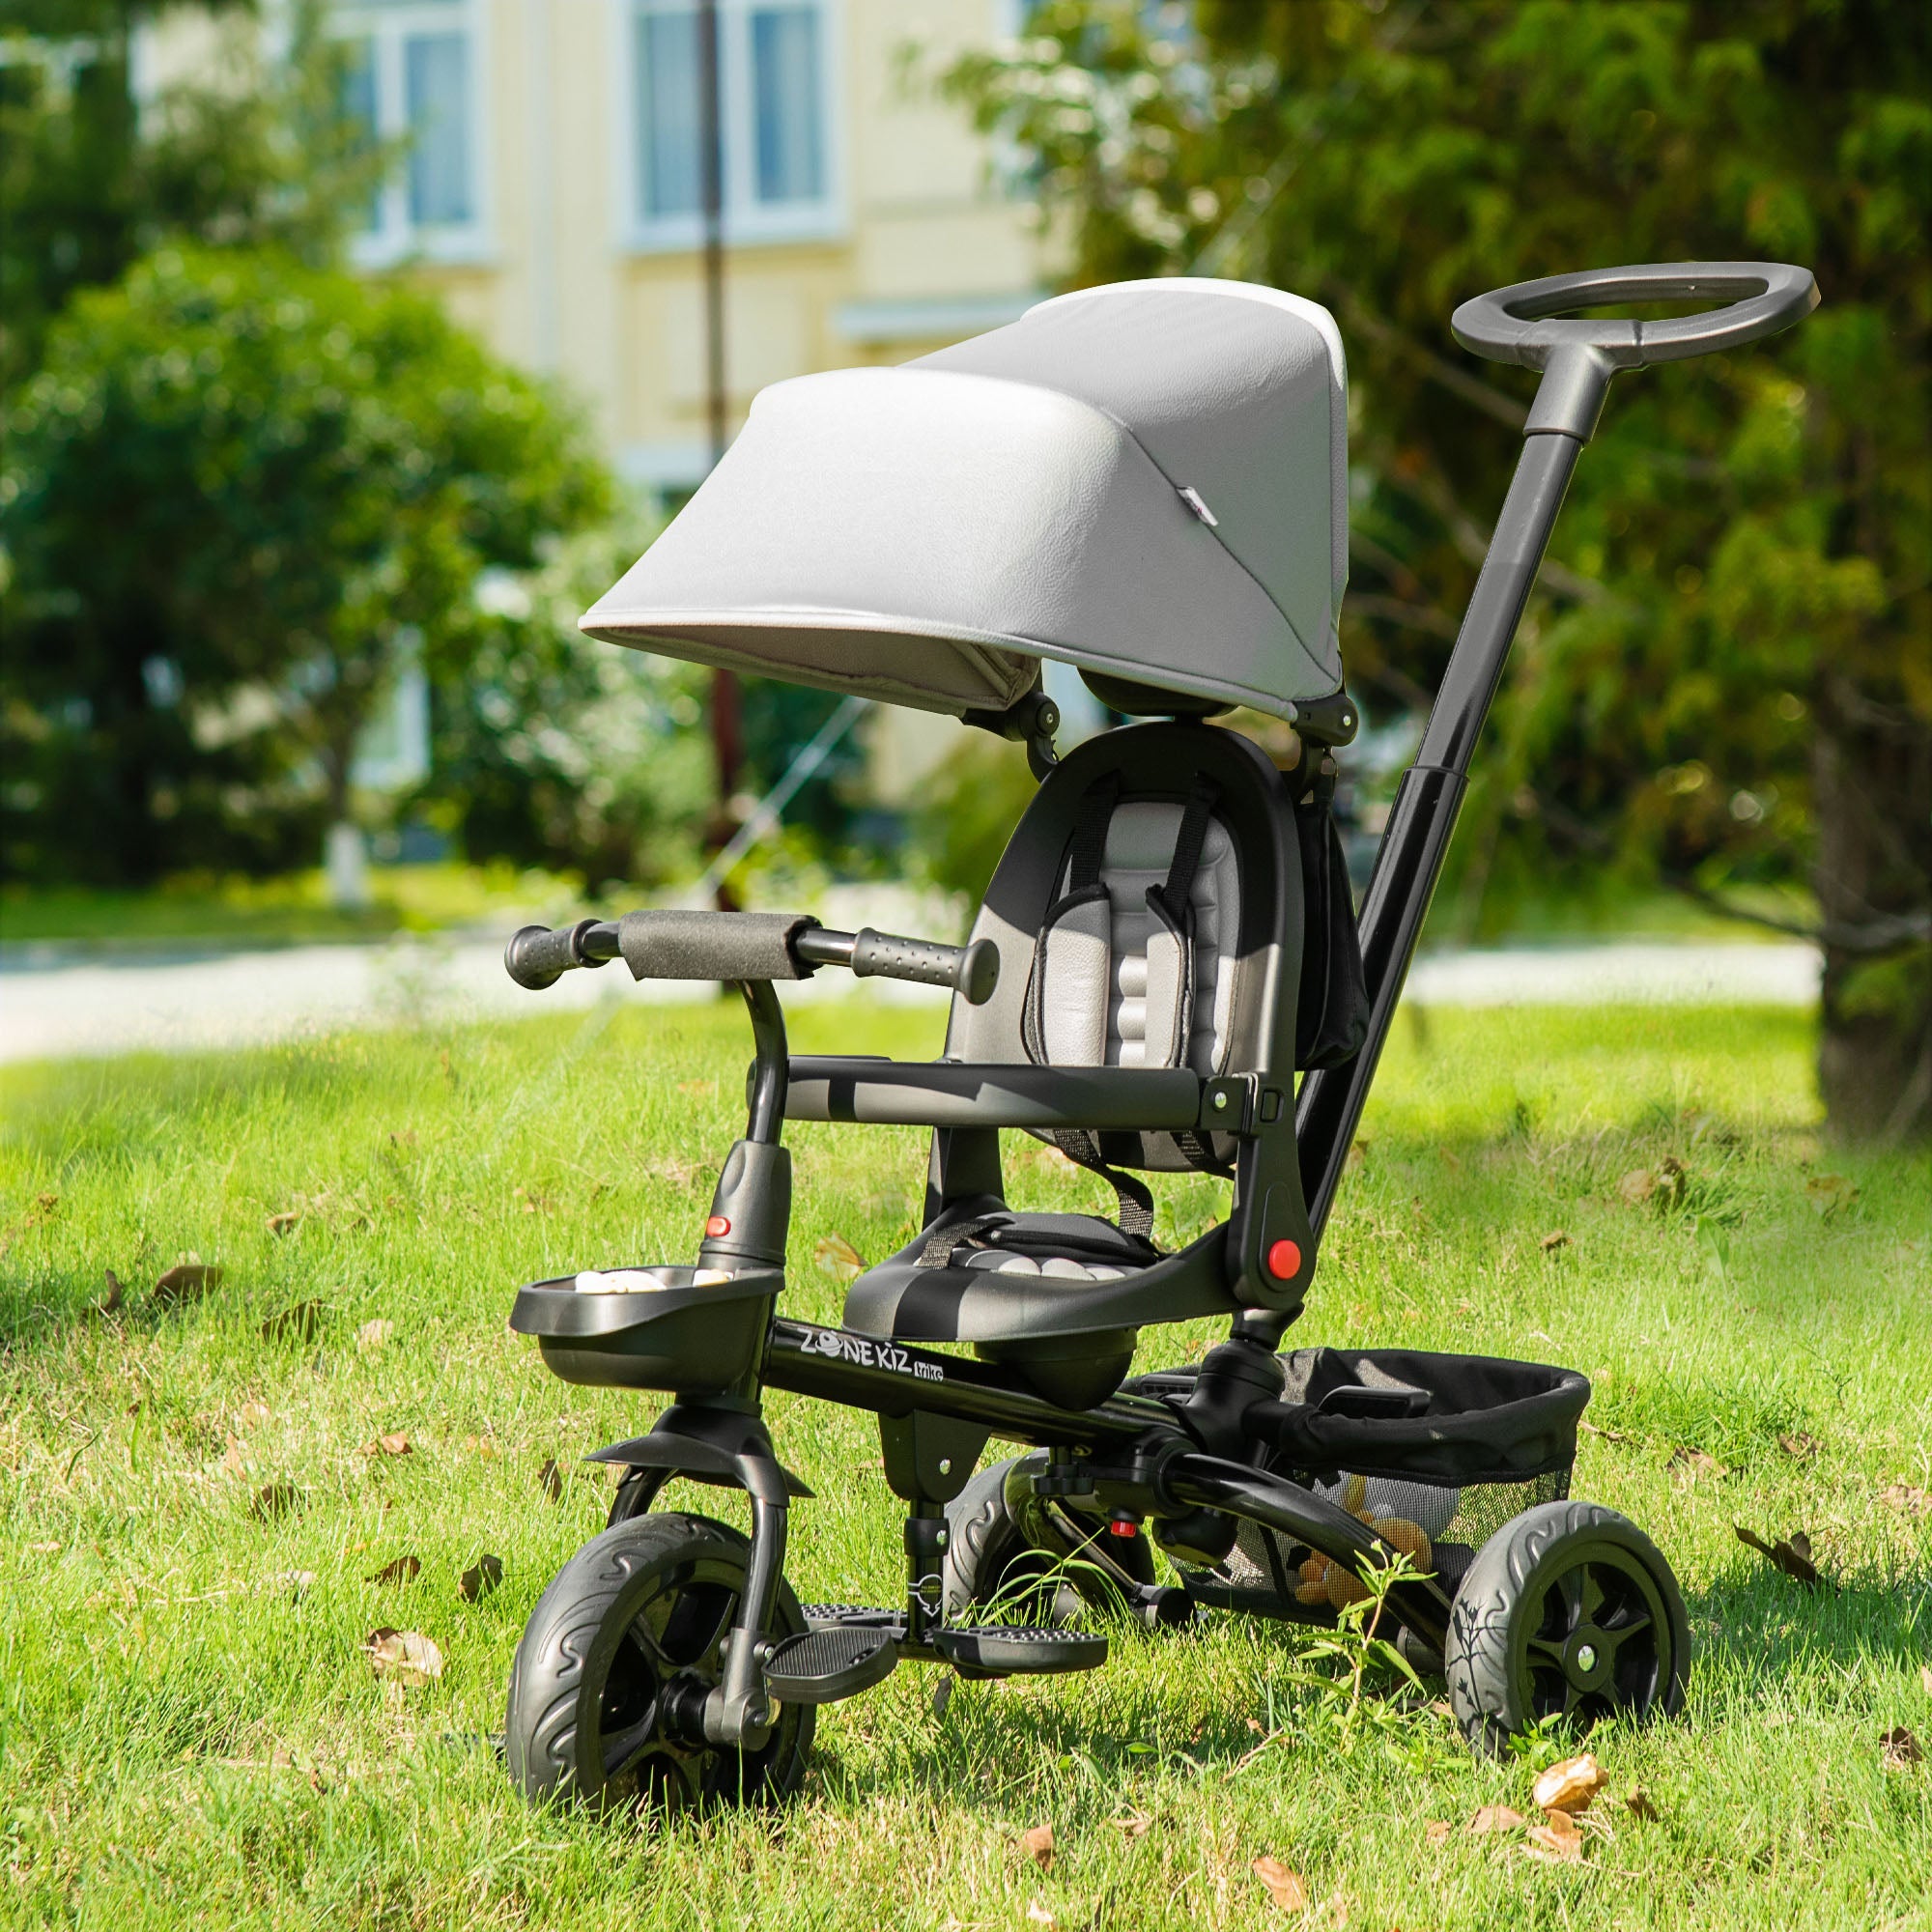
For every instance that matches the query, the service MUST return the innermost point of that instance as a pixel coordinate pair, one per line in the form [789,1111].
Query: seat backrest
[1148,911]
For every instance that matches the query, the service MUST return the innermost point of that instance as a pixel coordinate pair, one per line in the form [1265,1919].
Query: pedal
[1017,1650]
[852,1616]
[839,1661]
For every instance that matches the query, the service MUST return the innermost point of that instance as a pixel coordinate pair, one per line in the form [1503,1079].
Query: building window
[775,77]
[413,74]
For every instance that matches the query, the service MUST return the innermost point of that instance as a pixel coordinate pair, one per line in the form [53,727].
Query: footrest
[824,1666]
[1015,1650]
[849,1616]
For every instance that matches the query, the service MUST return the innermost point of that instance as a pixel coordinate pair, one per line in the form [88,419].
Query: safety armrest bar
[943,1094]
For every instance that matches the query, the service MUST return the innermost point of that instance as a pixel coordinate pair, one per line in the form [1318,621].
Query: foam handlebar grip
[971,971]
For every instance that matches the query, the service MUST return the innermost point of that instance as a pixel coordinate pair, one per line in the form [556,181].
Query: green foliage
[967,812]
[1726,679]
[246,154]
[549,749]
[238,493]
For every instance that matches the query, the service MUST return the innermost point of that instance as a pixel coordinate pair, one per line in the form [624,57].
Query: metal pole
[727,725]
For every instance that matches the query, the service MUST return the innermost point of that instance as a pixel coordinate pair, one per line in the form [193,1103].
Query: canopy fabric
[1148,479]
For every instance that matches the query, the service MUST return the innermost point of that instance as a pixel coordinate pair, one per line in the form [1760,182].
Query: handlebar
[538,956]
[1517,325]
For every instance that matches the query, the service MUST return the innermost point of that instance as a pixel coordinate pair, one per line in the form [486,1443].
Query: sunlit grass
[191,1734]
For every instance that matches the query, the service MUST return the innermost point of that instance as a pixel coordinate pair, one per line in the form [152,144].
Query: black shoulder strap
[1087,853]
[1178,888]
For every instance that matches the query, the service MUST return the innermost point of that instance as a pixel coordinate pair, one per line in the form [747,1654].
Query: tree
[253,154]
[552,750]
[1726,682]
[238,494]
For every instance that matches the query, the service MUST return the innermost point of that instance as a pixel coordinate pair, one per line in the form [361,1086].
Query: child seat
[1149,913]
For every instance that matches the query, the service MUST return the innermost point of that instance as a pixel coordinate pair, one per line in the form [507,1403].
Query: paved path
[94,1008]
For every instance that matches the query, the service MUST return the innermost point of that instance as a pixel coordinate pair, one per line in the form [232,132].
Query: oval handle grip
[1518,323]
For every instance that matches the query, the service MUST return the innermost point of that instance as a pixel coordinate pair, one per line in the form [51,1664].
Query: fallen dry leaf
[1554,1239]
[1798,1443]
[253,1414]
[1829,1192]
[1284,1887]
[1637,1187]
[1639,1803]
[110,1303]
[1037,1845]
[550,1480]
[298,1324]
[1688,1465]
[406,1568]
[1558,1838]
[1899,1749]
[233,1457]
[1907,1500]
[1494,1818]
[407,1657]
[186,1281]
[1438,1831]
[396,1443]
[1791,1553]
[482,1576]
[274,1501]
[481,1445]
[373,1335]
[836,1256]
[1925,1678]
[1569,1786]
[286,1219]
[1039,1915]
[1130,1823]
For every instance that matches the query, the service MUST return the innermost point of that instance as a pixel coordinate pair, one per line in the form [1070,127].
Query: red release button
[719,1225]
[1284,1260]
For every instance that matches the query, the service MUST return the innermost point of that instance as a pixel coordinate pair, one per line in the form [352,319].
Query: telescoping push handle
[538,956]
[1531,323]
[1518,323]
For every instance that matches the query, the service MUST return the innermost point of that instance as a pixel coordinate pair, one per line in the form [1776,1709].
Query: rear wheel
[993,1559]
[607,1689]
[1569,1610]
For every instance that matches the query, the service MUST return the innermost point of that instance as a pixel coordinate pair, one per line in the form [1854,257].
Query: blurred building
[551,194]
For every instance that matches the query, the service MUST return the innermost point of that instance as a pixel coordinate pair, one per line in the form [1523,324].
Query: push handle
[1518,323]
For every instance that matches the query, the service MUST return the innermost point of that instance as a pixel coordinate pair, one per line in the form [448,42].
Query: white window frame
[386,24]
[746,222]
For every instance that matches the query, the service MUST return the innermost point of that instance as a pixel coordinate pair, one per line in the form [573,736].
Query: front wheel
[1569,1610]
[607,1688]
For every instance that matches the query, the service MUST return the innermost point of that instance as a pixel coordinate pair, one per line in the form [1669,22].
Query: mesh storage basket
[1491,1439]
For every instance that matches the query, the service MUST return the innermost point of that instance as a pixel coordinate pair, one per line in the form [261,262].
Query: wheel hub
[1586,1658]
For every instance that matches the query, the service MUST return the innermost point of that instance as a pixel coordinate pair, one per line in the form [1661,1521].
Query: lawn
[192,1733]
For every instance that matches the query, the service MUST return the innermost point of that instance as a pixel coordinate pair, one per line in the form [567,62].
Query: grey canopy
[1147,480]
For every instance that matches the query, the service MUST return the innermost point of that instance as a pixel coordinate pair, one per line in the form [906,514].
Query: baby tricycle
[1147,482]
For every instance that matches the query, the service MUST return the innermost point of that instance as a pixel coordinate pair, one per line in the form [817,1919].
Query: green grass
[186,1743]
[201,909]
